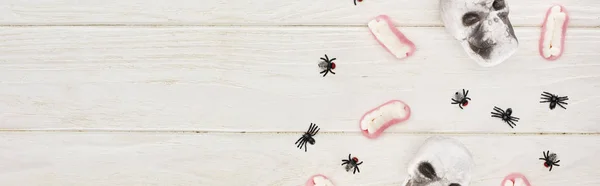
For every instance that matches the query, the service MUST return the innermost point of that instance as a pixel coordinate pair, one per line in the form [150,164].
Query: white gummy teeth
[375,121]
[390,37]
[554,28]
[515,179]
[319,180]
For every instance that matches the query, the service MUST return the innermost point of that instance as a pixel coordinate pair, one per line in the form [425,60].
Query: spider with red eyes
[550,159]
[461,99]
[352,163]
[358,1]
[327,65]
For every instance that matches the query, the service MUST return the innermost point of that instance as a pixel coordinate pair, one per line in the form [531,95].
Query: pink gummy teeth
[554,28]
[390,37]
[515,179]
[319,180]
[375,121]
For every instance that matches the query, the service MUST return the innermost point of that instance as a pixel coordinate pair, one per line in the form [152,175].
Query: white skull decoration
[482,27]
[440,161]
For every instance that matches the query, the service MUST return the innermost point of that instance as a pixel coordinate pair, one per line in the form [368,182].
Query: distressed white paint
[261,75]
[267,79]
[98,159]
[264,12]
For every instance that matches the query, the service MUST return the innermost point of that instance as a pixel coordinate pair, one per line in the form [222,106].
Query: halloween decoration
[440,161]
[319,180]
[327,65]
[358,1]
[505,116]
[482,27]
[554,100]
[550,159]
[515,179]
[308,136]
[390,37]
[461,99]
[376,120]
[352,163]
[554,28]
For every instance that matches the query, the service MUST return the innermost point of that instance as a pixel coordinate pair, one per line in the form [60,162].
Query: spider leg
[560,104]
[460,105]
[345,162]
[315,132]
[305,146]
[300,144]
[550,168]
[546,101]
[545,156]
[495,113]
[499,110]
[349,157]
[355,2]
[323,71]
[464,93]
[454,101]
[326,57]
[299,140]
[362,162]
[564,98]
[311,128]
[556,161]
[331,71]
[332,59]
[511,124]
[323,59]
[496,116]
[326,71]
[513,118]
[467,98]
[356,169]
[542,159]
[547,94]
[563,102]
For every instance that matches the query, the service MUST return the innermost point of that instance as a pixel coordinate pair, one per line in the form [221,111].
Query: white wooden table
[215,92]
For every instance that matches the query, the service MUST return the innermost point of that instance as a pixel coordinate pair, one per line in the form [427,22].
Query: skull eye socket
[498,4]
[470,18]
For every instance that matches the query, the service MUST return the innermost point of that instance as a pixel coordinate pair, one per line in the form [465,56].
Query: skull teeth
[390,37]
[553,33]
[375,121]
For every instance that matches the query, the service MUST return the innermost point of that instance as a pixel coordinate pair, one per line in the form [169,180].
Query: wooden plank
[266,79]
[266,12]
[272,159]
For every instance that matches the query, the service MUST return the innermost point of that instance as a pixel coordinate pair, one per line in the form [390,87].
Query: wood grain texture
[265,12]
[91,159]
[266,79]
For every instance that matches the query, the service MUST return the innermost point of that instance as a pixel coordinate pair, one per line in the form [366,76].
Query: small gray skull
[440,161]
[482,27]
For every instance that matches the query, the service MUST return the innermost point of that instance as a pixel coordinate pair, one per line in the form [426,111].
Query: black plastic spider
[352,163]
[550,159]
[358,1]
[327,65]
[554,100]
[461,99]
[505,116]
[308,136]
